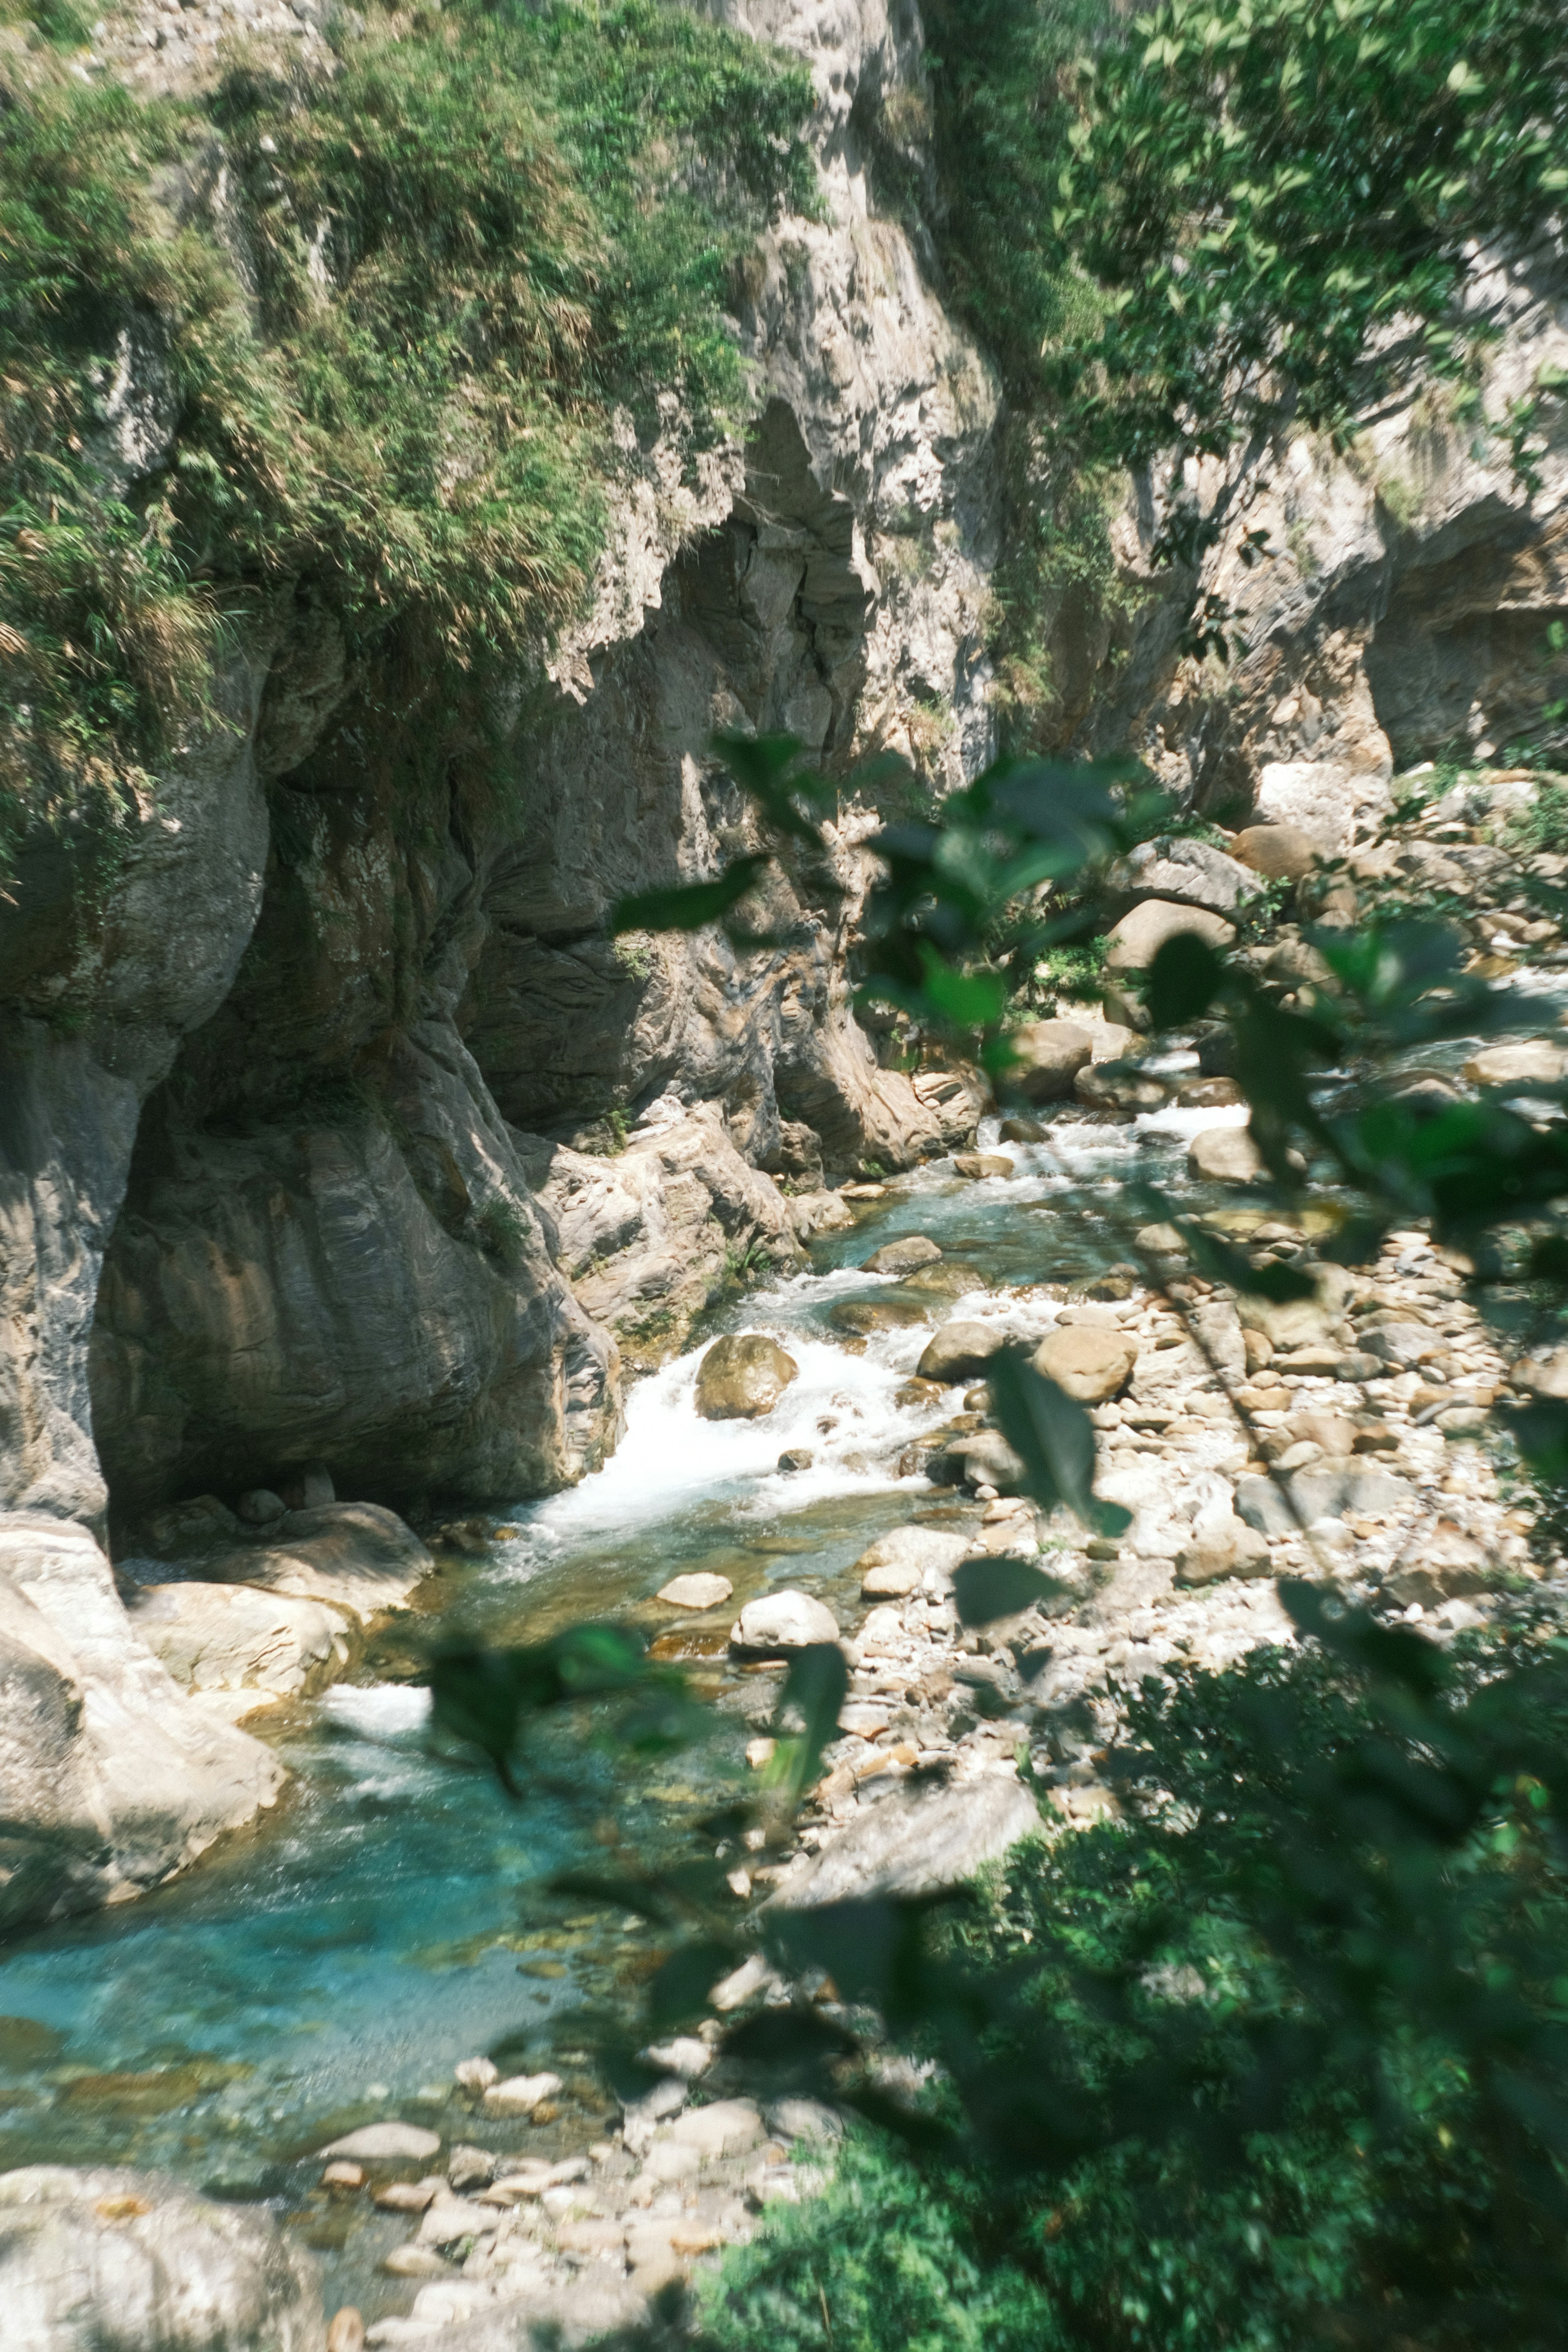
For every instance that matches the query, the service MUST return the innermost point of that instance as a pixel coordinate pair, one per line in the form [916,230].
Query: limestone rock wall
[285,1053]
[1404,612]
[329,1249]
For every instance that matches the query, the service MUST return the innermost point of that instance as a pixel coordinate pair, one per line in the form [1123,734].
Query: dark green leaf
[677,1992]
[1054,1438]
[1184,980]
[1215,1256]
[985,1590]
[815,1688]
[1539,1431]
[689,905]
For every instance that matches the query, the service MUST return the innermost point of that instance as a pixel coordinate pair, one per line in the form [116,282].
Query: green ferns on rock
[366,333]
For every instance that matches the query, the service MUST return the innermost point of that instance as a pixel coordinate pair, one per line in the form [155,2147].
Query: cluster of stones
[1334,1437]
[576,2244]
[173,43]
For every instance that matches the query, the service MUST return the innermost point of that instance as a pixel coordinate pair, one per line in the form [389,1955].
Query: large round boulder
[959,1351]
[1092,1365]
[1137,939]
[701,1589]
[100,2260]
[1182,867]
[1281,853]
[780,1621]
[1224,1155]
[744,1377]
[1050,1054]
[947,1280]
[903,1257]
[1120,1086]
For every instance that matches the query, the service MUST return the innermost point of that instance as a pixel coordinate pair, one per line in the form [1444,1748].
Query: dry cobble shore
[1345,1437]
[1382,1416]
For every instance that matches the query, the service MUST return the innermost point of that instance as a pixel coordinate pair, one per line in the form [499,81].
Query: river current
[330,1966]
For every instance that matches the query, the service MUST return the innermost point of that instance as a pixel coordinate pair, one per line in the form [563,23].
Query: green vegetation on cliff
[1188,227]
[368,334]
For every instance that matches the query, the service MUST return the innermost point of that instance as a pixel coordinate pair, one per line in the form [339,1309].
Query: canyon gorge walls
[336,1127]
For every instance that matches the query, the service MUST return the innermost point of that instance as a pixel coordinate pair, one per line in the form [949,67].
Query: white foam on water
[378,1710]
[1181,1124]
[841,1410]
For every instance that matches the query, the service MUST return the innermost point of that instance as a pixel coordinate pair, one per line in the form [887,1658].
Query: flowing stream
[330,1966]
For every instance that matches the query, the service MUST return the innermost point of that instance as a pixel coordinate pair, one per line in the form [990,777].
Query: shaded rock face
[99,2256]
[1403,615]
[763,623]
[112,1778]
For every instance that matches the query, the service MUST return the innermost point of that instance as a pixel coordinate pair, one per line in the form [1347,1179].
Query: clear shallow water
[330,1966]
[338,1946]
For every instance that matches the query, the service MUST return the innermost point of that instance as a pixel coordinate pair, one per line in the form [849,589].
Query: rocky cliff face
[287,1055]
[1405,611]
[316,1073]
[328,1248]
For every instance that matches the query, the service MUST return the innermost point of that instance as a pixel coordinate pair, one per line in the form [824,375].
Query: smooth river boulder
[1138,938]
[1224,1155]
[1531,1061]
[780,1622]
[1092,1365]
[1051,1053]
[742,1377]
[860,1316]
[959,1351]
[102,2259]
[904,1255]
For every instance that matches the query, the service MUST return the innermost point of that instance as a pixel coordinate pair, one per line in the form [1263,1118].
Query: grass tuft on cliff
[368,332]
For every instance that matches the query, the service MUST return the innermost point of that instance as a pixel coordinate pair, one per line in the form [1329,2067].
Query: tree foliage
[1283,203]
[371,333]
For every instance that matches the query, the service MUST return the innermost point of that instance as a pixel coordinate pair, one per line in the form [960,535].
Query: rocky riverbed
[817,1470]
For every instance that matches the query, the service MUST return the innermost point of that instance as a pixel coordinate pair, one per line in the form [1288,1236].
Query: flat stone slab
[1321,1492]
[727,2127]
[354,1555]
[917,1844]
[900,1560]
[701,1590]
[385,2144]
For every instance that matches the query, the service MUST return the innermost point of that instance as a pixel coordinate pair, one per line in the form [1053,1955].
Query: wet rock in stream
[742,1378]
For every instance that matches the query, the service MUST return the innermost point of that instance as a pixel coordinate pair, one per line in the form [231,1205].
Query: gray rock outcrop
[742,1377]
[102,2259]
[648,1235]
[917,1844]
